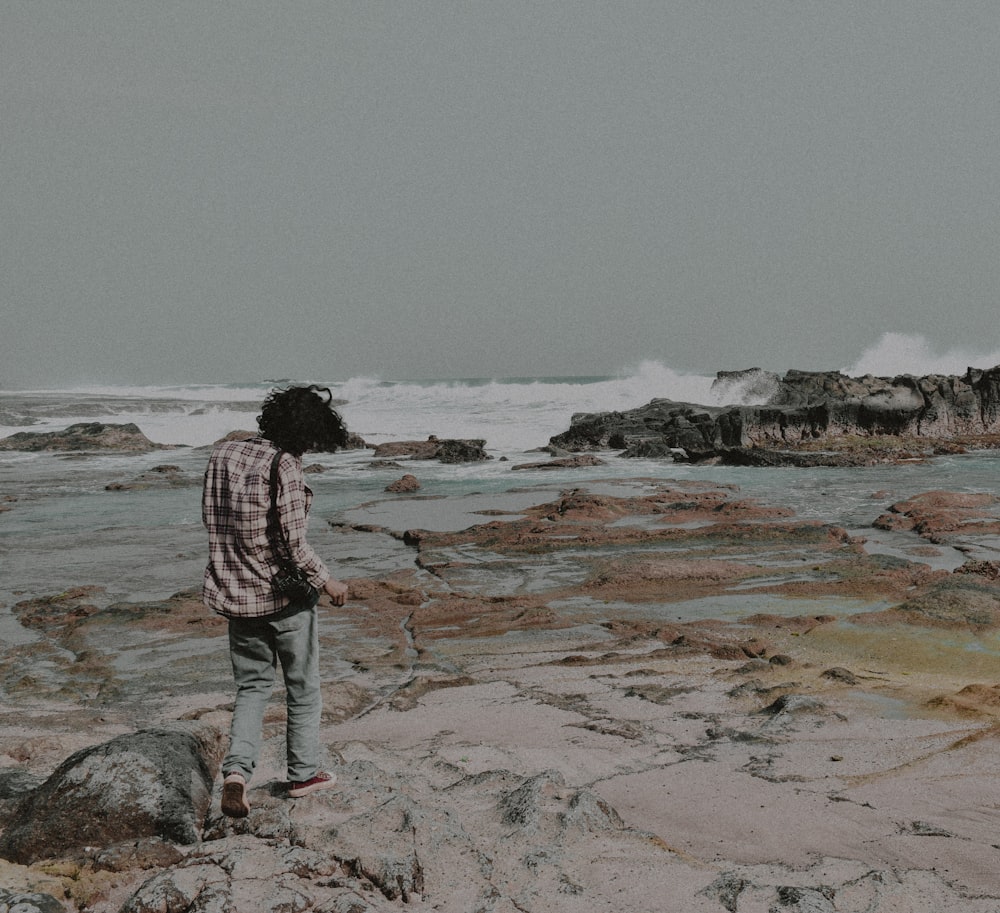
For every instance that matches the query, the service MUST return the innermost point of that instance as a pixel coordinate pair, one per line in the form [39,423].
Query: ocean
[62,527]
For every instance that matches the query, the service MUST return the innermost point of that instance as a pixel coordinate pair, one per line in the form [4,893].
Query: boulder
[462,451]
[449,450]
[151,783]
[83,436]
[406,484]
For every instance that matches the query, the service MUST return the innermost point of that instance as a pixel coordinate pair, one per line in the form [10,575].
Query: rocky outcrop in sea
[83,436]
[807,418]
[445,450]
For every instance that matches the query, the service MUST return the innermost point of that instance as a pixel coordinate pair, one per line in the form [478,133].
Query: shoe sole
[315,787]
[234,803]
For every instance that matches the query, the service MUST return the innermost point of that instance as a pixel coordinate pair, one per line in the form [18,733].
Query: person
[265,626]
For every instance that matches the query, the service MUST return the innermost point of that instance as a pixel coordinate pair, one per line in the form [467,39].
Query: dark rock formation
[806,416]
[462,451]
[83,436]
[152,783]
[446,450]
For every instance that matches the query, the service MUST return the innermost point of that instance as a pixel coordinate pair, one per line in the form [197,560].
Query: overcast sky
[233,191]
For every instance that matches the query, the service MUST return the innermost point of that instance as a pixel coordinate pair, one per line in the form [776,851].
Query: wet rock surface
[553,711]
[942,516]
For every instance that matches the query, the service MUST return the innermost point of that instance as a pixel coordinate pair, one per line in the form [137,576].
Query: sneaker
[321,780]
[234,796]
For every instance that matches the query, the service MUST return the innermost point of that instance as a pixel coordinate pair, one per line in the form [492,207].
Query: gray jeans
[256,646]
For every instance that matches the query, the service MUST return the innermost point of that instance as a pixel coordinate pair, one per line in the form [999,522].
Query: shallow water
[63,528]
[731,607]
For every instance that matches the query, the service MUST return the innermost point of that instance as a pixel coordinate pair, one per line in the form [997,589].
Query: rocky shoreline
[521,720]
[801,418]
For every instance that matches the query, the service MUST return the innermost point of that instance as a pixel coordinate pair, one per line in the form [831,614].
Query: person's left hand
[336,590]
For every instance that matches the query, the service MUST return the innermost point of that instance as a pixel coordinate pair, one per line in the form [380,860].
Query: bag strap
[275,534]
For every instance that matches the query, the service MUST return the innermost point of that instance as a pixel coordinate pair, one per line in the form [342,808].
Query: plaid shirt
[235,502]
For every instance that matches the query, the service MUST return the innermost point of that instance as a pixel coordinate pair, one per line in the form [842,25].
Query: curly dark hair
[298,419]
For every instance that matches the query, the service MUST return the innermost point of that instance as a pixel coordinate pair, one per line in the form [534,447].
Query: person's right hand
[336,590]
